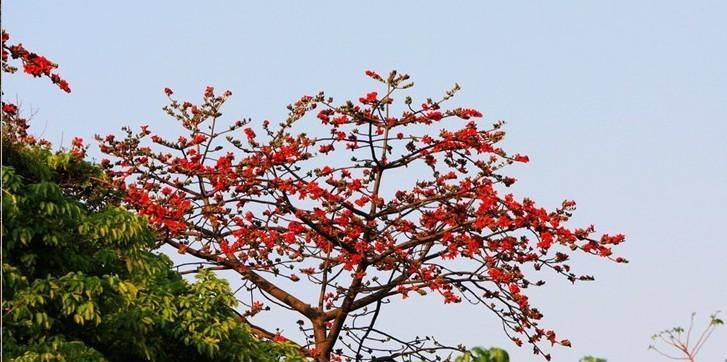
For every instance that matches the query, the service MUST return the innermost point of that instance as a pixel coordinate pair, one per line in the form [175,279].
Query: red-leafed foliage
[327,203]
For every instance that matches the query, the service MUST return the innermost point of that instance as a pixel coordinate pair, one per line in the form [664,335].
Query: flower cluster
[33,64]
[14,125]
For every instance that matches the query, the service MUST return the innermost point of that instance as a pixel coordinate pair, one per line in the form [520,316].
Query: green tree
[479,354]
[79,281]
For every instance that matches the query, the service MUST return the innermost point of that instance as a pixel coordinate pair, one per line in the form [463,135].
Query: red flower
[373,75]
[546,240]
[198,138]
[62,84]
[521,158]
[10,108]
[434,115]
[467,113]
[37,65]
[77,142]
[615,239]
[168,91]
[249,133]
[362,201]
[326,170]
[323,115]
[77,148]
[369,99]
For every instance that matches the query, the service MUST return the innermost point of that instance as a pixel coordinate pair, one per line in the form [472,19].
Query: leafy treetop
[79,282]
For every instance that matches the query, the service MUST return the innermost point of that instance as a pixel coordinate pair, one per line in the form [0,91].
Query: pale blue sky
[621,105]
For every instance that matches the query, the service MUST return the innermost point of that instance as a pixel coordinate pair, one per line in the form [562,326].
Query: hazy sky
[621,105]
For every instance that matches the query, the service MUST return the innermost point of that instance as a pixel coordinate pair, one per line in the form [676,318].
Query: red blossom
[33,64]
[369,99]
[467,113]
[10,108]
[249,133]
[77,147]
[325,149]
[434,115]
[521,158]
[37,65]
[77,142]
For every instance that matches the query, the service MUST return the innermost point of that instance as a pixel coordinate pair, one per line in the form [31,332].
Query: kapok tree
[323,203]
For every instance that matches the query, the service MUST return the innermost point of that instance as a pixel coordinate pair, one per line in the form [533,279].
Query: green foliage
[80,282]
[478,354]
[592,359]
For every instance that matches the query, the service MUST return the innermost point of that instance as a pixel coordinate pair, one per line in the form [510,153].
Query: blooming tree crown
[316,201]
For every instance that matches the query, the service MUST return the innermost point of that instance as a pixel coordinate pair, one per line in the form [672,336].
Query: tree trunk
[319,335]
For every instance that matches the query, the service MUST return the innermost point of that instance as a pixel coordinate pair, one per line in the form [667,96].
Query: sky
[621,106]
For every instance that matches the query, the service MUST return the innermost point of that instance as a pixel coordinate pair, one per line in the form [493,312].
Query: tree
[79,281]
[676,339]
[311,202]
[478,354]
